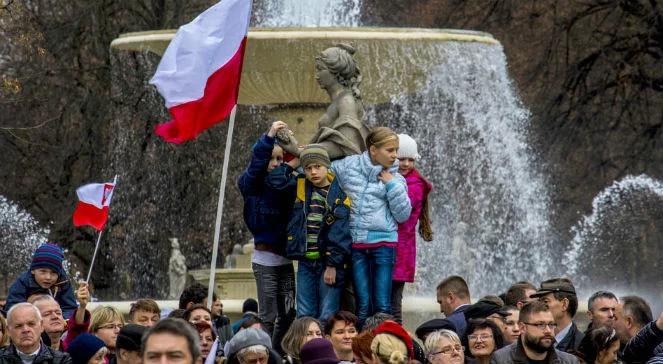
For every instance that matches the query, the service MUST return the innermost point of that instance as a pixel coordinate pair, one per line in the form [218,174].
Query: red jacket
[418,189]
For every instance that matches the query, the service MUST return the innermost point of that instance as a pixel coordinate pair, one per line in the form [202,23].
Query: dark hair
[195,293]
[573,301]
[530,308]
[250,305]
[187,313]
[178,313]
[477,324]
[144,304]
[201,326]
[637,308]
[600,294]
[177,327]
[516,293]
[455,285]
[250,321]
[345,316]
[374,321]
[596,341]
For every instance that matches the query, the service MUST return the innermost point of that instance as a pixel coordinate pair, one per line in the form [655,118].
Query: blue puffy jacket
[266,210]
[25,285]
[377,208]
[334,239]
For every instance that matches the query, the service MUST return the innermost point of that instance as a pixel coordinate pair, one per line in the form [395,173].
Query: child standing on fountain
[418,189]
[46,276]
[379,202]
[266,213]
[318,233]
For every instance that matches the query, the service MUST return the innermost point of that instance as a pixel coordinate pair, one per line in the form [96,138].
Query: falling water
[20,234]
[315,13]
[618,244]
[490,202]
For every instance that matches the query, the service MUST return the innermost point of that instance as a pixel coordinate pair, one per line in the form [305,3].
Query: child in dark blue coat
[266,212]
[46,276]
[318,233]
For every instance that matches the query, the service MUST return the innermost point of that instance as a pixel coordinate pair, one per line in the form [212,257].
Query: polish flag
[93,202]
[199,73]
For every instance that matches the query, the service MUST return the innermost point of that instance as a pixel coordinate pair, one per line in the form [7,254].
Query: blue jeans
[371,270]
[315,298]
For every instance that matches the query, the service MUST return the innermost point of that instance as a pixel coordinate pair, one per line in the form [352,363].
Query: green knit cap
[314,153]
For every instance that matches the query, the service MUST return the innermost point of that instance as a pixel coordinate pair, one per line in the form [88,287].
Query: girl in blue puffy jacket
[379,203]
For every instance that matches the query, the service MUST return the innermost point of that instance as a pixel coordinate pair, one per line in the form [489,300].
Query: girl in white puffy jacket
[379,202]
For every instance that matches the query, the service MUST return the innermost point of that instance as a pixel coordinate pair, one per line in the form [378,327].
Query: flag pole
[94,255]
[96,247]
[219,207]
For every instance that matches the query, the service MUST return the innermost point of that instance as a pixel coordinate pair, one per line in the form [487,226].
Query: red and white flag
[199,73]
[93,202]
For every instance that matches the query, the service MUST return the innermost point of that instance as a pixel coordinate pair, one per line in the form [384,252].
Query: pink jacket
[418,189]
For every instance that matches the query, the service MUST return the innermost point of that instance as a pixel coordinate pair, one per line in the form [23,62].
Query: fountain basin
[279,62]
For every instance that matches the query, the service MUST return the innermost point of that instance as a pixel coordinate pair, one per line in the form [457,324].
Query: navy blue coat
[25,285]
[266,210]
[334,240]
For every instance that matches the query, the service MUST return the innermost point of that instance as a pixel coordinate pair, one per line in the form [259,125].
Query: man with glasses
[559,295]
[537,327]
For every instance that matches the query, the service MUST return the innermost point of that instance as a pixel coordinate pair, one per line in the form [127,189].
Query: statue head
[174,243]
[339,62]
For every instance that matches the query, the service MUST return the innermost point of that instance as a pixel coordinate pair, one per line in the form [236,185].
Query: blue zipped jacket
[25,285]
[334,240]
[266,210]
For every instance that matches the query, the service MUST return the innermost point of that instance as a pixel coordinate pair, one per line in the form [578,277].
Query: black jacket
[515,353]
[572,339]
[641,346]
[46,356]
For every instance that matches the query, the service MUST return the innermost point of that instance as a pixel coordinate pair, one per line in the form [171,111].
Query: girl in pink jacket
[418,189]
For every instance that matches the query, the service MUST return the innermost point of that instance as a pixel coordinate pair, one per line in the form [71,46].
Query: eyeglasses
[448,350]
[542,326]
[477,337]
[111,326]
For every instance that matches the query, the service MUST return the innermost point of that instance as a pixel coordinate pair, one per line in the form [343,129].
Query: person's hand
[385,176]
[659,322]
[294,163]
[83,294]
[276,126]
[330,275]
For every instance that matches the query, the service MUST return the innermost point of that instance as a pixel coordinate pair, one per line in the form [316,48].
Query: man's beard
[536,344]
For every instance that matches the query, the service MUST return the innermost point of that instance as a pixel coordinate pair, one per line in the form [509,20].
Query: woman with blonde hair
[302,330]
[391,344]
[444,347]
[379,202]
[4,335]
[106,323]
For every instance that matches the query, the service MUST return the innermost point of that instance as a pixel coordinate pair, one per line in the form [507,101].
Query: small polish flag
[199,73]
[93,202]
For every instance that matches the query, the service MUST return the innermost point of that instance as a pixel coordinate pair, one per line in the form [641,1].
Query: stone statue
[340,129]
[176,270]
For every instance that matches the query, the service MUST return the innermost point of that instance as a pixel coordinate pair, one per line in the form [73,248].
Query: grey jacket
[514,353]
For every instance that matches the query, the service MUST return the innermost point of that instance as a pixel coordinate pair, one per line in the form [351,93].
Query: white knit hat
[407,147]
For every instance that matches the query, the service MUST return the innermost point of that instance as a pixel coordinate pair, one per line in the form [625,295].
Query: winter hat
[84,347]
[484,308]
[407,147]
[48,256]
[394,329]
[314,153]
[318,351]
[434,325]
[250,305]
[130,337]
[248,337]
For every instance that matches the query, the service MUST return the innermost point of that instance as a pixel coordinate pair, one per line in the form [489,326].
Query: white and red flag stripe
[199,73]
[93,202]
